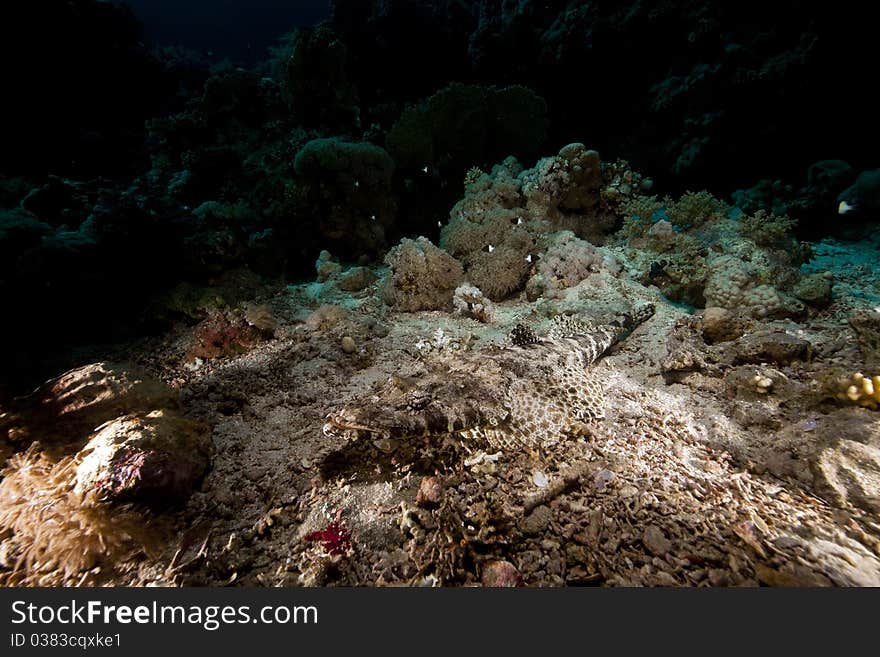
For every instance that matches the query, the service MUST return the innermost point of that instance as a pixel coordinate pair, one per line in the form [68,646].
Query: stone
[430,493]
[849,474]
[777,347]
[537,521]
[501,574]
[814,289]
[69,407]
[348,345]
[155,458]
[356,279]
[721,325]
[719,577]
[655,541]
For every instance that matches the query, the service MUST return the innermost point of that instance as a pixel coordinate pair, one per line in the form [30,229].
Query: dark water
[241,30]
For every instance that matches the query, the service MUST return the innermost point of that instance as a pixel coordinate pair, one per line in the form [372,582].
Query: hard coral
[470,302]
[695,252]
[860,390]
[569,181]
[422,276]
[567,262]
[497,230]
[347,187]
[462,124]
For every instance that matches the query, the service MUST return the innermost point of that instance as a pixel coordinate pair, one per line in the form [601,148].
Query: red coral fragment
[335,538]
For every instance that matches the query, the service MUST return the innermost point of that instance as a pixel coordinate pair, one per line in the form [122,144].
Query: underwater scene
[449,293]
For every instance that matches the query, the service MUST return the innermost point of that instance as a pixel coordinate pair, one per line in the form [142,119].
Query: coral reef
[498,229]
[347,186]
[568,261]
[462,124]
[422,276]
[699,251]
[315,81]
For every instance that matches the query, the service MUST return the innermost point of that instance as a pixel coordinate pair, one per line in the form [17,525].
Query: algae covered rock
[814,289]
[67,408]
[156,458]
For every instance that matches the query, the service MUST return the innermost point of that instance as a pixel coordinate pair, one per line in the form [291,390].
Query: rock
[780,348]
[501,574]
[69,407]
[326,267]
[866,324]
[814,289]
[655,541]
[156,458]
[357,279]
[849,474]
[719,577]
[721,325]
[348,345]
[430,493]
[792,575]
[537,521]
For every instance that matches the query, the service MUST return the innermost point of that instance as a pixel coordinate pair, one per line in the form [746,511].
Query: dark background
[239,29]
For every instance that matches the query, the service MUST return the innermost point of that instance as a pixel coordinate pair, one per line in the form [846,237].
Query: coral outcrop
[422,276]
[500,226]
[700,251]
[347,187]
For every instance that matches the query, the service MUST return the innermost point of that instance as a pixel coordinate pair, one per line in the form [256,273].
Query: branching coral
[766,229]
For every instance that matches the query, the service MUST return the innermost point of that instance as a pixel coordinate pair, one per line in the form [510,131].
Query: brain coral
[422,276]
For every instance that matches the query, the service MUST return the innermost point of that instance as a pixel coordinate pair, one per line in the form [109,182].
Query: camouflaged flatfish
[527,393]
